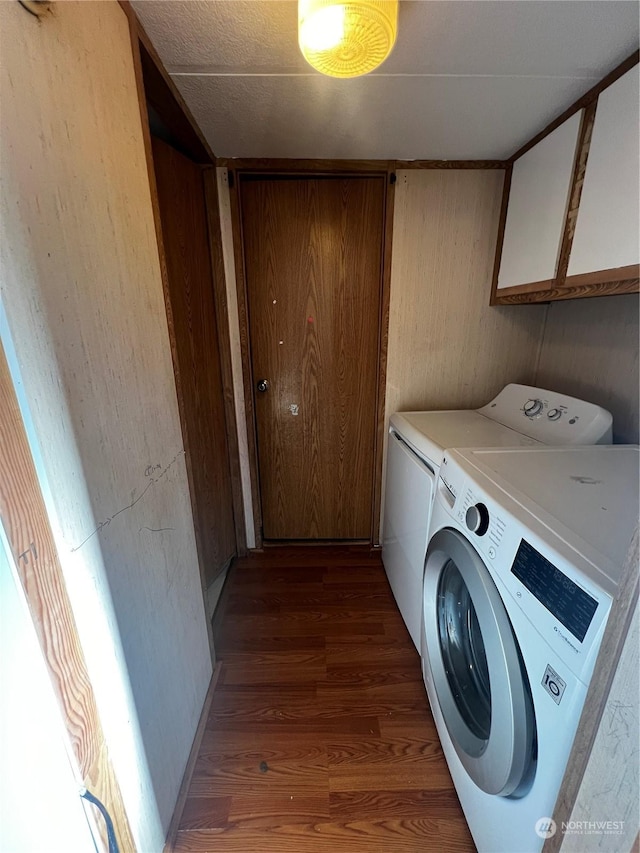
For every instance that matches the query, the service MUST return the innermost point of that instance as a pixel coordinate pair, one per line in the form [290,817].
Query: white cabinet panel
[408,497]
[608,226]
[537,207]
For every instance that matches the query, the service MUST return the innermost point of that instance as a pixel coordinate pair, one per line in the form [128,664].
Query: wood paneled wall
[82,292]
[447,348]
[609,788]
[590,350]
[600,783]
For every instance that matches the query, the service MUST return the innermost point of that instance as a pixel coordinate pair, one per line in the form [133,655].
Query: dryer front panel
[409,490]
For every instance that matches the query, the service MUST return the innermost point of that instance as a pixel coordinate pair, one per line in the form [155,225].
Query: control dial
[554,414]
[532,408]
[477,519]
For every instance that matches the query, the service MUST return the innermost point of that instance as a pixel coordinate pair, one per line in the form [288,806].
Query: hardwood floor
[319,736]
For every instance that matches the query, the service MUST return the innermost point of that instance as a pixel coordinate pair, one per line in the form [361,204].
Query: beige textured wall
[85,326]
[590,350]
[609,790]
[447,347]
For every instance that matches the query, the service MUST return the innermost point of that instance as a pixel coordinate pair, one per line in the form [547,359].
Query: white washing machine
[525,554]
[520,415]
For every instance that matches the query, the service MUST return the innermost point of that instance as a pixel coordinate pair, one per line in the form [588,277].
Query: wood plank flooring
[319,736]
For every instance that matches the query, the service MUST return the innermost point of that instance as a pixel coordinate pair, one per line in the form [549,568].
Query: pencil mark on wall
[155,529]
[154,473]
[586,481]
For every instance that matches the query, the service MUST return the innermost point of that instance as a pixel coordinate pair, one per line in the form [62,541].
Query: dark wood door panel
[313,249]
[186,244]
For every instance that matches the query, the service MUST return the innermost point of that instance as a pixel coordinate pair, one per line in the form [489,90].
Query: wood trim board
[383,350]
[283,165]
[568,291]
[502,224]
[530,287]
[620,276]
[224,340]
[26,523]
[450,164]
[577,182]
[247,373]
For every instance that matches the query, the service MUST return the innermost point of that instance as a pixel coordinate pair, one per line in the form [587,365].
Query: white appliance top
[431,433]
[521,415]
[588,492]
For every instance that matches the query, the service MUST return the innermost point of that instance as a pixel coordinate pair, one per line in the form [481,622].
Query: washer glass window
[473,667]
[463,652]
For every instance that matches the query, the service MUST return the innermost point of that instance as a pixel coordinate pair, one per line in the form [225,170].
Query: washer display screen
[561,596]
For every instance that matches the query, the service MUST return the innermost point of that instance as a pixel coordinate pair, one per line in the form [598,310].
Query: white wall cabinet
[538,199]
[571,216]
[607,235]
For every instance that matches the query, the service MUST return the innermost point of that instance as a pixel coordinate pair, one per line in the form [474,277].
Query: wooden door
[186,247]
[313,260]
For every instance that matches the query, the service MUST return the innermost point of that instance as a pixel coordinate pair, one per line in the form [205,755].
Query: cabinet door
[607,236]
[537,207]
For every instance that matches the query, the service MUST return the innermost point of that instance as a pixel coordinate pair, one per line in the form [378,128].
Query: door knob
[263,385]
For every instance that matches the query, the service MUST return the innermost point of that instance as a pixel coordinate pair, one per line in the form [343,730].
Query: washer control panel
[532,408]
[550,417]
[550,584]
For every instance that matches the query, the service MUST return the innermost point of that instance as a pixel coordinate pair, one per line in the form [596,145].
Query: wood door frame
[346,168]
[26,524]
[153,82]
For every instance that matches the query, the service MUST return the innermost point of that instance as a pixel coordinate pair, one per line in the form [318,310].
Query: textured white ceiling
[467,79]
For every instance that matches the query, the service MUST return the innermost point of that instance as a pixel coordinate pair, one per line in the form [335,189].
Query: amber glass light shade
[347,39]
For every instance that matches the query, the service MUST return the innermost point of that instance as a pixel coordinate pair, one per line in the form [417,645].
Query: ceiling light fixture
[347,39]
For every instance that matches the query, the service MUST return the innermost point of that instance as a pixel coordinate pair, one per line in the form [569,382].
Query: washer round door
[477,670]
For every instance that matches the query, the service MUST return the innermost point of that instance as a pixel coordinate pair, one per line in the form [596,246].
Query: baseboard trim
[191,763]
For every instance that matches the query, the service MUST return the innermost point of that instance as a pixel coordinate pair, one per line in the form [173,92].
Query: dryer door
[476,666]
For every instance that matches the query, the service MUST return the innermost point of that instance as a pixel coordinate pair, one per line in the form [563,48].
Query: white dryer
[520,415]
[525,555]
